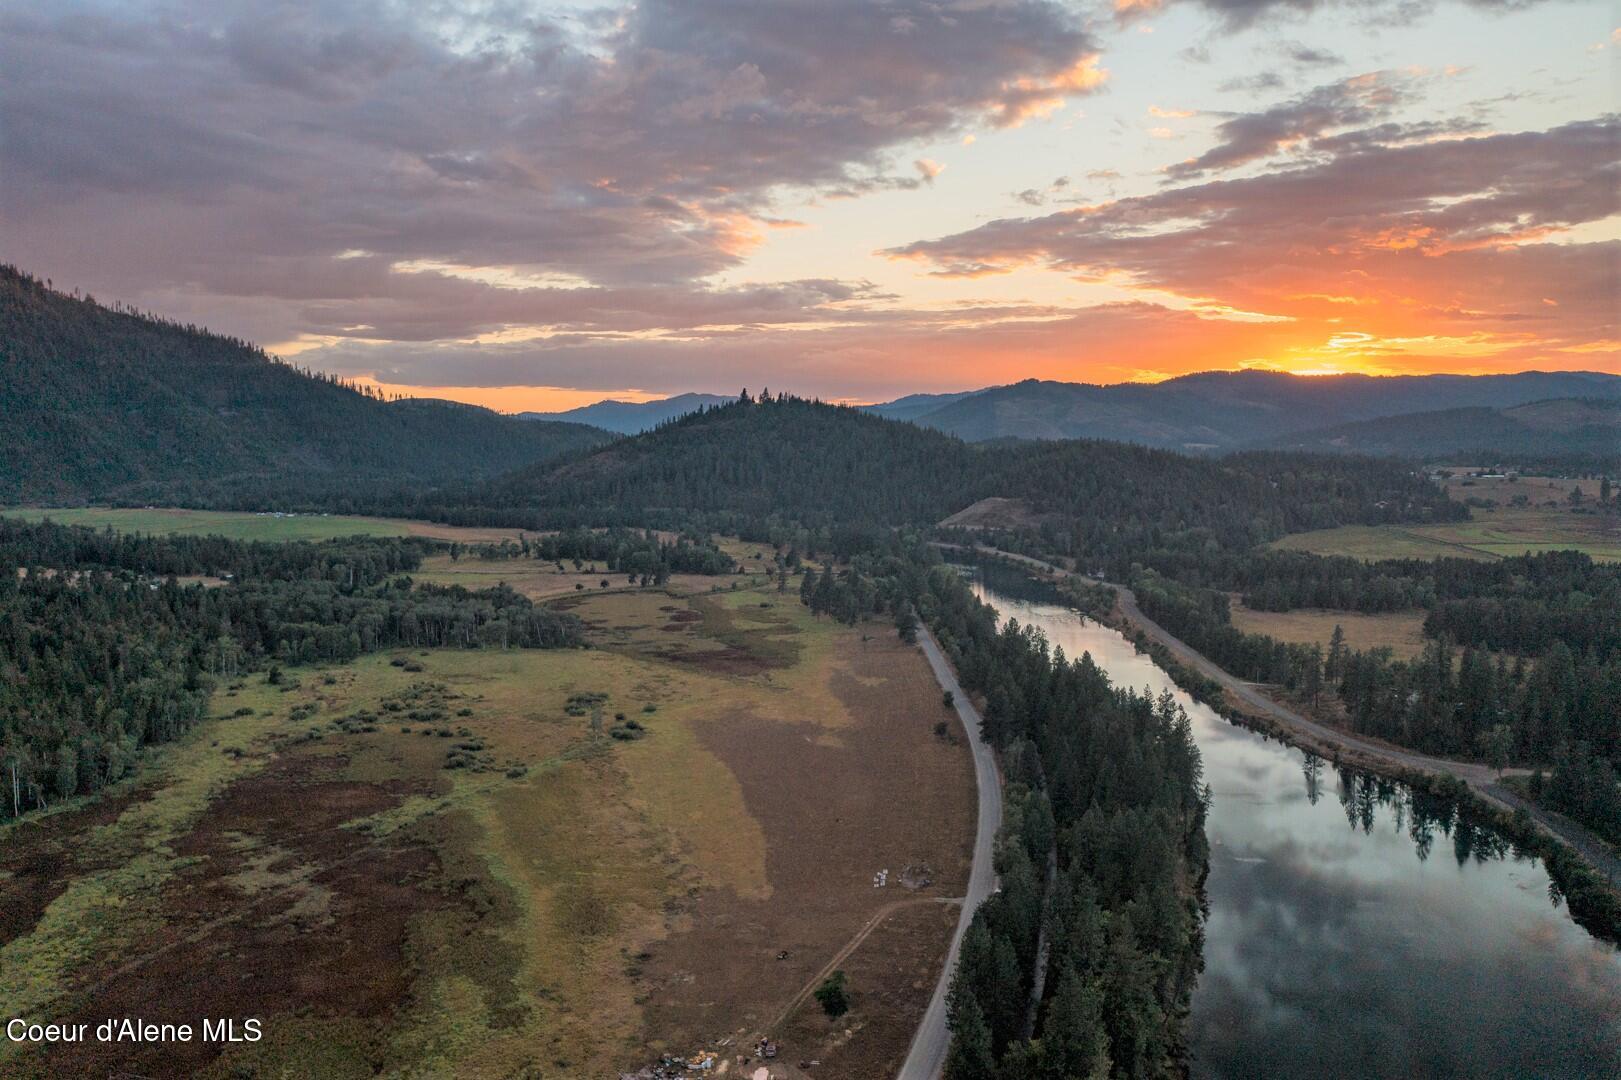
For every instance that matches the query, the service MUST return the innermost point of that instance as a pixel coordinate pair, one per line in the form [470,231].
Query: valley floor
[495,863]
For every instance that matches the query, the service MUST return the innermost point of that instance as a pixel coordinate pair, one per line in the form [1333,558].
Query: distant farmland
[1529,515]
[242,525]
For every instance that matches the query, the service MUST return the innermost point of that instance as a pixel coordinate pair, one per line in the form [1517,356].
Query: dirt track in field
[838,805]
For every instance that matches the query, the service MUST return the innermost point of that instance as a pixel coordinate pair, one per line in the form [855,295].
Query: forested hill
[822,465]
[1223,409]
[108,404]
[1589,427]
[785,456]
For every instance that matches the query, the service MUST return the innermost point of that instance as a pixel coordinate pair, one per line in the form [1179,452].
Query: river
[1358,928]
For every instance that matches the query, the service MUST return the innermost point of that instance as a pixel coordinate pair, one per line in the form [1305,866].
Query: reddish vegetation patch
[728,661]
[681,620]
[40,858]
[284,912]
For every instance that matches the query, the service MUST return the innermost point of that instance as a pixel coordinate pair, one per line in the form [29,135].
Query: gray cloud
[1309,56]
[1249,137]
[229,152]
[1258,83]
[1242,14]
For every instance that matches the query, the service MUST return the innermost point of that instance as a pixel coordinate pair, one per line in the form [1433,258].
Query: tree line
[100,657]
[639,553]
[1520,604]
[1559,709]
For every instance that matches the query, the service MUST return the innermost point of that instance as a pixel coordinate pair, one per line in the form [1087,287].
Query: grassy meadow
[242,525]
[1530,514]
[1400,631]
[508,863]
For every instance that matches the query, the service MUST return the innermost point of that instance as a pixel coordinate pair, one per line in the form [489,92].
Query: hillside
[803,462]
[97,403]
[1542,429]
[913,406]
[763,458]
[1224,409]
[631,417]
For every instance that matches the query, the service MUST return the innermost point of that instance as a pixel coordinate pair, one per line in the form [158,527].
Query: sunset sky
[536,205]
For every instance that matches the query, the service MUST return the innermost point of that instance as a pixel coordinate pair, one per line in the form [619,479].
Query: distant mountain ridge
[632,417]
[1560,426]
[1210,411]
[1219,410]
[101,403]
[913,406]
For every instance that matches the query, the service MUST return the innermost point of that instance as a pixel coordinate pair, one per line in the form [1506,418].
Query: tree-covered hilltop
[103,652]
[789,460]
[104,403]
[785,457]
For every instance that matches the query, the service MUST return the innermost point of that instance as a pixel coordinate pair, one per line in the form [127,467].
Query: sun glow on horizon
[509,399]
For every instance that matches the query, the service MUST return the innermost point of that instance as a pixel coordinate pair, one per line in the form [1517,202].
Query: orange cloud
[1032,98]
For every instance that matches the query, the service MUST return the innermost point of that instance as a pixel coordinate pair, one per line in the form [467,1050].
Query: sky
[531,206]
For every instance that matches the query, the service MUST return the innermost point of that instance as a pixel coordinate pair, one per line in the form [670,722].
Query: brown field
[1545,522]
[541,580]
[559,904]
[1402,632]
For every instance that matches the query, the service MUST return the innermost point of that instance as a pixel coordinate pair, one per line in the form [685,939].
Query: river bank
[1586,869]
[1359,925]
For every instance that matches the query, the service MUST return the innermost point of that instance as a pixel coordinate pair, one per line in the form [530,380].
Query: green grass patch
[234,525]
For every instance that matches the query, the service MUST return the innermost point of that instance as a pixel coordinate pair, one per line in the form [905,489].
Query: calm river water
[1360,929]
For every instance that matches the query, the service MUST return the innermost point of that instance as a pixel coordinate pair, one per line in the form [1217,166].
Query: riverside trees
[1104,787]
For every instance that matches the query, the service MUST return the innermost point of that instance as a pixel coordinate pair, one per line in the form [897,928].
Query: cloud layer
[1452,238]
[489,195]
[236,149]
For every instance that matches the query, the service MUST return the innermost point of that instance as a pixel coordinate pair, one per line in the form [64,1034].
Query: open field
[1402,631]
[1544,522]
[542,580]
[241,525]
[462,871]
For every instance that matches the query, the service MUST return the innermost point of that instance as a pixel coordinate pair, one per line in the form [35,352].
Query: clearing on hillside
[995,513]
